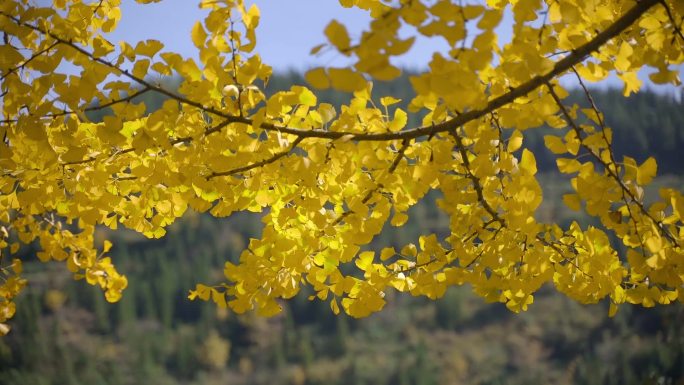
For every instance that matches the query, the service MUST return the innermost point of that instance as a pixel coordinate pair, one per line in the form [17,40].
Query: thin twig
[476,181]
[264,162]
[609,170]
[395,163]
[610,152]
[27,61]
[102,106]
[676,27]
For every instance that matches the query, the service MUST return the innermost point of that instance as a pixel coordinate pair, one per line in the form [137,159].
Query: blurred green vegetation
[66,334]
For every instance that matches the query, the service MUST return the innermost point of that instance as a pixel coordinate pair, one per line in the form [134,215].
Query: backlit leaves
[329,178]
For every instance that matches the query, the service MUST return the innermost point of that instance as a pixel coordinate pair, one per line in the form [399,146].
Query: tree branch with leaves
[328,180]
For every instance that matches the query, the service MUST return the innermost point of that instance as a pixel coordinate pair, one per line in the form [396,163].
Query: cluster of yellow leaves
[10,287]
[328,180]
[614,192]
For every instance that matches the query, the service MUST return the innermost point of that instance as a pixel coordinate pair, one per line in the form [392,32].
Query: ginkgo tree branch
[395,163]
[612,172]
[344,191]
[218,127]
[474,179]
[29,60]
[99,107]
[110,65]
[675,26]
[110,103]
[479,190]
[264,162]
[565,64]
[603,127]
[558,251]
[575,57]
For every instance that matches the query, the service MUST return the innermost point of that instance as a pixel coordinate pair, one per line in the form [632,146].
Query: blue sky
[287,32]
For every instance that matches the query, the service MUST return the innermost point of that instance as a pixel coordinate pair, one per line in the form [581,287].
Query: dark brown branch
[88,109]
[611,153]
[476,181]
[264,162]
[172,142]
[613,173]
[575,57]
[677,28]
[417,265]
[400,154]
[33,57]
[560,252]
[97,8]
[77,162]
[103,106]
[560,67]
[114,67]
[395,163]
[124,178]
[217,127]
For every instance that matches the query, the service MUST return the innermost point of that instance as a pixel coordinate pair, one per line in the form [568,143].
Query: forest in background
[66,333]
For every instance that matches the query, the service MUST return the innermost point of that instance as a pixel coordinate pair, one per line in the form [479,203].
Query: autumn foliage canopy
[329,178]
